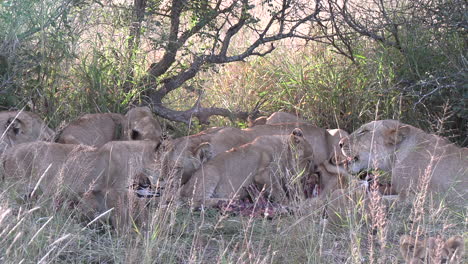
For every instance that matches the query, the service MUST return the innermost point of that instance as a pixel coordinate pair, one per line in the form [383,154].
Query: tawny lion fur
[181,157]
[98,129]
[433,250]
[412,156]
[18,127]
[100,178]
[264,162]
[275,118]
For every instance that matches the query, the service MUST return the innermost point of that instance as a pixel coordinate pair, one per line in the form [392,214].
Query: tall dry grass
[73,73]
[368,232]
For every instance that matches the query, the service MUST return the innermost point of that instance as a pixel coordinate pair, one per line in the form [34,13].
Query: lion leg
[200,189]
[94,204]
[272,184]
[125,210]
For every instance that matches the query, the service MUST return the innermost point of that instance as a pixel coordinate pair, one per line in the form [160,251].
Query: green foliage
[431,68]
[65,58]
[423,83]
[61,62]
[323,87]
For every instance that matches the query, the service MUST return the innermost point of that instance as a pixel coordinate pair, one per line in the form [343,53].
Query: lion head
[373,145]
[141,125]
[18,127]
[181,157]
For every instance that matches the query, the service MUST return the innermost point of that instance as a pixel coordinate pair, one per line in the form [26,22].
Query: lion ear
[15,125]
[204,152]
[455,245]
[296,136]
[395,135]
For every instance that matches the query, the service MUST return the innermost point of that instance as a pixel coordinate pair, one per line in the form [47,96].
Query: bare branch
[353,23]
[201,113]
[169,56]
[175,42]
[60,11]
[234,29]
[288,28]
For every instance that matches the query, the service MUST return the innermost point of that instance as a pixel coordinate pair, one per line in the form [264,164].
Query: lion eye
[134,135]
[157,147]
[362,132]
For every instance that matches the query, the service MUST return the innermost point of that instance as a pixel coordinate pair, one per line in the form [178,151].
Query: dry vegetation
[66,68]
[51,234]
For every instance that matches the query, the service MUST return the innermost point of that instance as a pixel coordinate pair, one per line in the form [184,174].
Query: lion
[413,157]
[97,178]
[257,121]
[93,129]
[336,135]
[331,173]
[275,118]
[18,127]
[181,157]
[141,125]
[98,129]
[317,137]
[331,177]
[267,162]
[432,250]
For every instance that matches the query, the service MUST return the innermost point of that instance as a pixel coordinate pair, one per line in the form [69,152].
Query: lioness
[334,142]
[330,177]
[331,173]
[317,137]
[411,155]
[18,127]
[265,162]
[140,124]
[99,178]
[98,129]
[93,129]
[181,157]
[432,250]
[275,118]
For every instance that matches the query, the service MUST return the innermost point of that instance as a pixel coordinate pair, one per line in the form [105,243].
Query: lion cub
[265,162]
[431,250]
